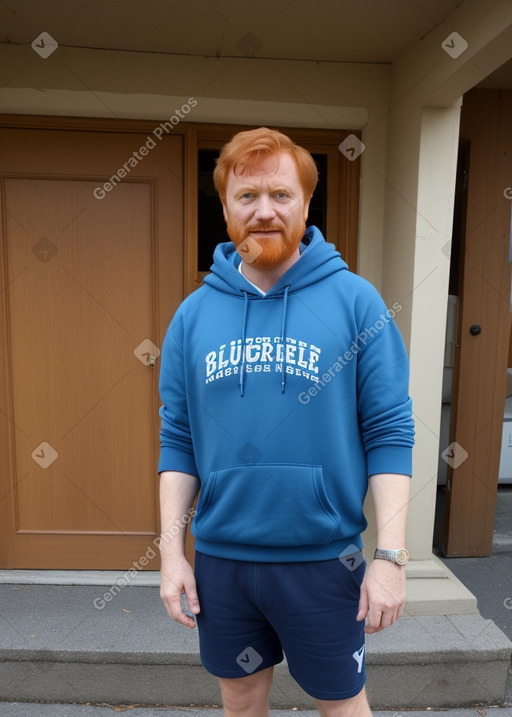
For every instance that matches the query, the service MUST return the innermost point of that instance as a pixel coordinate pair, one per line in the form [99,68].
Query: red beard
[274,251]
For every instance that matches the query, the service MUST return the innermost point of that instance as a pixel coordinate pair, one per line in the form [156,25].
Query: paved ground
[490,579]
[8,709]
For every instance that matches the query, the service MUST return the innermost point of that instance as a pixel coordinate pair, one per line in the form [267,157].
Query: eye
[280,195]
[247,195]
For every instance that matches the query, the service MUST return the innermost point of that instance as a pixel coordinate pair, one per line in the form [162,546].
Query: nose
[265,210]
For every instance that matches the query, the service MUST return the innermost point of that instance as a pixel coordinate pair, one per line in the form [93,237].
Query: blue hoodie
[284,405]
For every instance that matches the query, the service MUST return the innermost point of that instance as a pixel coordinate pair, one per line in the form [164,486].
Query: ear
[306,208]
[225,211]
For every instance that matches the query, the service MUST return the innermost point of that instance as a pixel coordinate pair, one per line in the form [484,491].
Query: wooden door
[91,276]
[481,354]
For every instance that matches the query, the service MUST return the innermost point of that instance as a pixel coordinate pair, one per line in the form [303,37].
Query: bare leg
[353,707]
[247,696]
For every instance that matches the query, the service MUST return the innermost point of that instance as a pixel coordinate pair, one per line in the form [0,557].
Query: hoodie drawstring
[283,337]
[283,340]
[244,325]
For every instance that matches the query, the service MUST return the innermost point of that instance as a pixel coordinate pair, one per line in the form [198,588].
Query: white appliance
[449,355]
[505,474]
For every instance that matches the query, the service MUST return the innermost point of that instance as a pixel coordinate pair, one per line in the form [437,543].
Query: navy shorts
[252,612]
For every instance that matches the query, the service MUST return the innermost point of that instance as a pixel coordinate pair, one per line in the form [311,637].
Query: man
[284,384]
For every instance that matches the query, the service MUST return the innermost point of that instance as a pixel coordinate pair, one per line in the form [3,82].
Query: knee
[244,695]
[354,707]
[238,701]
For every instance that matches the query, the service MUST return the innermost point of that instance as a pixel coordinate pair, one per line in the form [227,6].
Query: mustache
[265,228]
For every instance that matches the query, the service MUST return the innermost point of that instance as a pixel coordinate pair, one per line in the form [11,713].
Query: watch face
[402,556]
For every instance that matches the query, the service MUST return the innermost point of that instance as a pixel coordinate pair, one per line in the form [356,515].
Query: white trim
[143,578]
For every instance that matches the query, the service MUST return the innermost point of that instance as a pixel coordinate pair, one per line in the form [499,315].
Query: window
[333,209]
[211,227]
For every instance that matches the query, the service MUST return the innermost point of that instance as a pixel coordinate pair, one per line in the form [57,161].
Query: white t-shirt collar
[263,293]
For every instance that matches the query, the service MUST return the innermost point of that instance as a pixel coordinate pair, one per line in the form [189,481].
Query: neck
[264,277]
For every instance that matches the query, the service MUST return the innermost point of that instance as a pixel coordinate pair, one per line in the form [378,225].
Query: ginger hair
[244,150]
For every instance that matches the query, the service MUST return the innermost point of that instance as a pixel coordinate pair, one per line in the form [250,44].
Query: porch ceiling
[328,30]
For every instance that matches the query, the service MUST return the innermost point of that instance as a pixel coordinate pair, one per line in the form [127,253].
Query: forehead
[276,169]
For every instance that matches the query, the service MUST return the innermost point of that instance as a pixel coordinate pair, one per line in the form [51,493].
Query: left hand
[382,595]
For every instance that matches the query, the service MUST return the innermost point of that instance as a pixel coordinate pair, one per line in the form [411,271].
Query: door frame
[481,359]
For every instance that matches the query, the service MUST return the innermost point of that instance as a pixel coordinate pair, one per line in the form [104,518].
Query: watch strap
[400,557]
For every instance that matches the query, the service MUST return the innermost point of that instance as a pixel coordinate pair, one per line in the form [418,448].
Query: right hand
[177,577]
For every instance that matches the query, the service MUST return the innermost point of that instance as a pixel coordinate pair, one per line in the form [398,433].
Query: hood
[318,260]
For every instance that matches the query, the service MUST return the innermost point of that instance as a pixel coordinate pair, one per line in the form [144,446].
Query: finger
[387,618]
[374,627]
[371,630]
[175,609]
[191,596]
[186,620]
[363,604]
[172,603]
[374,619]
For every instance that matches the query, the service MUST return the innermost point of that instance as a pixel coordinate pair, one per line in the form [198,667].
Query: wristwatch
[400,557]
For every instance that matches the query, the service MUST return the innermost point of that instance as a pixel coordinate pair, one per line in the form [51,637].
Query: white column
[421,185]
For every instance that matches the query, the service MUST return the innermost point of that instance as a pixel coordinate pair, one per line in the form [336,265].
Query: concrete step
[118,646]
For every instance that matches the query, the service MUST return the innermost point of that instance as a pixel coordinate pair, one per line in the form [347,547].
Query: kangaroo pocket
[270,504]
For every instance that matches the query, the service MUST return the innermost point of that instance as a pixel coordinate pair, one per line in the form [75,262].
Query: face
[265,211]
